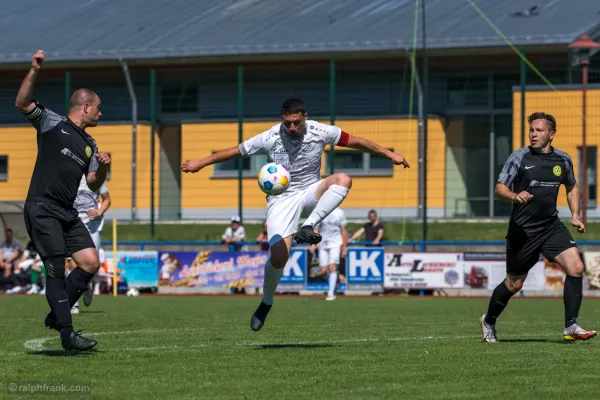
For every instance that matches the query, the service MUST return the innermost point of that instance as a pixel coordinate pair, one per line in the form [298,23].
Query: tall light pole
[583,46]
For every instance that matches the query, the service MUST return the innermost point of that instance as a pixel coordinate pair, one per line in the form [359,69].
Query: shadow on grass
[293,346]
[560,341]
[61,353]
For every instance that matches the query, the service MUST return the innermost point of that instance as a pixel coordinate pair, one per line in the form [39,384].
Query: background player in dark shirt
[535,174]
[373,230]
[65,153]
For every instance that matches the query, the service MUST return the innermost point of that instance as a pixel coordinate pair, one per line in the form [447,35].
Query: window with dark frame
[356,162]
[592,173]
[3,168]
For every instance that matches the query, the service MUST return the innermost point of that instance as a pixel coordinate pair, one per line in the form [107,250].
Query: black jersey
[65,153]
[541,175]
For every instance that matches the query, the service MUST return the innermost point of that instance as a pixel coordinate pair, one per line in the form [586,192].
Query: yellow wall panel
[117,140]
[201,191]
[566,107]
[19,143]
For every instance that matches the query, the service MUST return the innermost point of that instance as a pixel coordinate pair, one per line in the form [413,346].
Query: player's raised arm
[359,143]
[255,145]
[23,102]
[219,156]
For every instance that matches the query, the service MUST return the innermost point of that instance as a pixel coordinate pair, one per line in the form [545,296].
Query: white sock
[272,277]
[331,199]
[76,305]
[332,282]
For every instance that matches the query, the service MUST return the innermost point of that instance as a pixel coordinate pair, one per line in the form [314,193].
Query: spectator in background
[234,235]
[373,230]
[263,238]
[10,250]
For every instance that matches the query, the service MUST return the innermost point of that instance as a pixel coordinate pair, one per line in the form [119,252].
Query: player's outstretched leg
[500,297]
[571,262]
[332,281]
[271,280]
[273,270]
[78,281]
[60,316]
[330,194]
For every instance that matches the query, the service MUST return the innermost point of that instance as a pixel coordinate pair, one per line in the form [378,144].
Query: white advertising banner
[487,270]
[424,270]
[591,260]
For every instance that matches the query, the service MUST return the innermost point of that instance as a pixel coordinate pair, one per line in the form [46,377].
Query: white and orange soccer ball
[273,179]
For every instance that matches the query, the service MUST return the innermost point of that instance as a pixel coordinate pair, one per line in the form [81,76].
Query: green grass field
[394,231]
[202,347]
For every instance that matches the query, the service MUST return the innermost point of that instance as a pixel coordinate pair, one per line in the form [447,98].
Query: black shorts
[523,249]
[55,230]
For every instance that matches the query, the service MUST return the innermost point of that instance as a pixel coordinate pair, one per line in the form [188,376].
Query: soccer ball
[133,292]
[273,179]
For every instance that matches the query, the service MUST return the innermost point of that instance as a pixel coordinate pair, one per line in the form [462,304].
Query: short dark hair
[293,106]
[542,115]
[7,230]
[373,211]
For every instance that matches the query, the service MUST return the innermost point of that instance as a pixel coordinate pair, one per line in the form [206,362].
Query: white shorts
[329,255]
[96,239]
[283,214]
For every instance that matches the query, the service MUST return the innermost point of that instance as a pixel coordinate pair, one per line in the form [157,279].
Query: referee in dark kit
[65,153]
[536,174]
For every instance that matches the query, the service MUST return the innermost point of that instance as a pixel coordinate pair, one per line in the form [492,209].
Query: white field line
[37,345]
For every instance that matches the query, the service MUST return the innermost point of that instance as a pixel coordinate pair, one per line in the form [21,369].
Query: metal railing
[420,244]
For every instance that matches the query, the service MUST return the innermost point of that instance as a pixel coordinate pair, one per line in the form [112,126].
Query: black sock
[59,303]
[498,302]
[77,283]
[572,297]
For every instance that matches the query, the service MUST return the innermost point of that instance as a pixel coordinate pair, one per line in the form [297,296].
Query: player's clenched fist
[191,166]
[38,59]
[103,158]
[523,197]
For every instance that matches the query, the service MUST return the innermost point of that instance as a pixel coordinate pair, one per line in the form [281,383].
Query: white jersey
[87,199]
[329,229]
[301,156]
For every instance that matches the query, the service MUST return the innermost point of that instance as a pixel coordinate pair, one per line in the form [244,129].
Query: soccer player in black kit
[535,174]
[65,153]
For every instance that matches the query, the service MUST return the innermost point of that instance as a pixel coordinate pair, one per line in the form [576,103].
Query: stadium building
[193,66]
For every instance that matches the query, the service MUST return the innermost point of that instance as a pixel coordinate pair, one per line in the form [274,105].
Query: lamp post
[583,46]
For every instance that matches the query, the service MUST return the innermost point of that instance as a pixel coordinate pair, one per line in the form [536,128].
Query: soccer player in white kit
[91,212]
[297,143]
[333,246]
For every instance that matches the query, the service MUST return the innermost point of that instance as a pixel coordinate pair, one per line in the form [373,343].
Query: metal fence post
[152,148]
[425,122]
[240,112]
[523,77]
[332,106]
[134,116]
[67,92]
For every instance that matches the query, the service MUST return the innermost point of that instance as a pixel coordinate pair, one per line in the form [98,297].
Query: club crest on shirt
[557,170]
[88,151]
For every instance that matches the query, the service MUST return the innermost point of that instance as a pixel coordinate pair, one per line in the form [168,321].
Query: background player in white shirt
[297,143]
[333,246]
[91,206]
